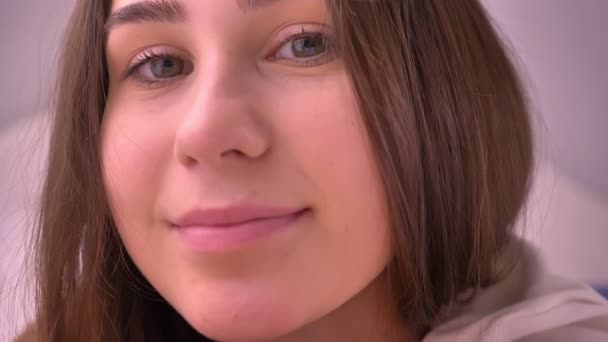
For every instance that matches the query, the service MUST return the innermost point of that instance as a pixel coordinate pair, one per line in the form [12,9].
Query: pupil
[309,46]
[308,43]
[166,67]
[167,64]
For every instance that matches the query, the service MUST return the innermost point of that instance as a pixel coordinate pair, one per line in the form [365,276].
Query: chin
[234,321]
[243,331]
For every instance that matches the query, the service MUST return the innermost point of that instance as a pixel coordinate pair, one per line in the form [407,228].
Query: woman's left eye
[166,67]
[308,49]
[158,67]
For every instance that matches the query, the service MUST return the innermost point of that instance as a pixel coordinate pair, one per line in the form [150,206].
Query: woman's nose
[221,122]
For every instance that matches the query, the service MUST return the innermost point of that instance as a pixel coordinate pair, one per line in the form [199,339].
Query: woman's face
[237,166]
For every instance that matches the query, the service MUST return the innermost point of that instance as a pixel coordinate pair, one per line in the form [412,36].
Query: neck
[370,316]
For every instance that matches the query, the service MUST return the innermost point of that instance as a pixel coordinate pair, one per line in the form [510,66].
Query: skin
[249,122]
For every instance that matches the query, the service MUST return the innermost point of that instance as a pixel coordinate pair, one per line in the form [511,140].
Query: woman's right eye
[153,68]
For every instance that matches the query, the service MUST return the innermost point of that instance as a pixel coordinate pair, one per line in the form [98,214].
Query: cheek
[326,136]
[133,160]
[330,142]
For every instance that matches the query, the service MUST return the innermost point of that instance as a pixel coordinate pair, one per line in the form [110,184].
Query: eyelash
[303,32]
[148,56]
[151,55]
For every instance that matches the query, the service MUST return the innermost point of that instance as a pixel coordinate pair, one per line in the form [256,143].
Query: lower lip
[226,238]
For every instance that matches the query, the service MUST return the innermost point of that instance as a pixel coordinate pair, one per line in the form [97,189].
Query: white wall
[569,225]
[30,32]
[563,49]
[22,159]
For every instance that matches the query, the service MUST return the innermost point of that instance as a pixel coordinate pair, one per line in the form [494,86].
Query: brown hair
[445,114]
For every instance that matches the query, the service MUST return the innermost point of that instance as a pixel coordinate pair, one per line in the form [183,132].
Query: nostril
[233,153]
[190,161]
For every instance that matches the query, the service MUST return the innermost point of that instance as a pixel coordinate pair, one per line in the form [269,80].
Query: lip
[224,229]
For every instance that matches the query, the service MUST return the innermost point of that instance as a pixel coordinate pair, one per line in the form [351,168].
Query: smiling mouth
[221,230]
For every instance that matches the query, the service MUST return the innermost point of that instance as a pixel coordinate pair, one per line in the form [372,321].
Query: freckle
[346,227]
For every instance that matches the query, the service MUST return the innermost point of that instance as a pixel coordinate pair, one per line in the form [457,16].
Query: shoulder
[529,304]
[591,330]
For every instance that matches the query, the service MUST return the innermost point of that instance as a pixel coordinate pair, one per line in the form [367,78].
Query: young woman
[286,170]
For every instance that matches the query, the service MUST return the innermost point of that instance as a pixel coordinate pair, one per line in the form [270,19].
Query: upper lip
[230,216]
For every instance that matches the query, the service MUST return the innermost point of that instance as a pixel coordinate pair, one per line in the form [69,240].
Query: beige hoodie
[530,304]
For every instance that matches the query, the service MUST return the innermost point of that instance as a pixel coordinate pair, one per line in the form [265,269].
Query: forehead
[242,4]
[206,14]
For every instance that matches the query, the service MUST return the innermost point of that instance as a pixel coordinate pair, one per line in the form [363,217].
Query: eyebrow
[255,4]
[166,11]
[149,10]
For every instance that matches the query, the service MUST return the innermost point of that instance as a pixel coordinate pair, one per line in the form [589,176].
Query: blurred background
[560,46]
